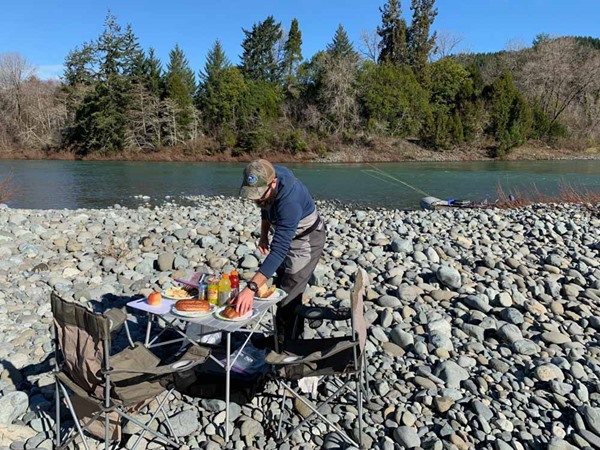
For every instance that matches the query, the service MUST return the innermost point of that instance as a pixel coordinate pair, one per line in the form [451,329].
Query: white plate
[165,295]
[277,295]
[195,314]
[246,316]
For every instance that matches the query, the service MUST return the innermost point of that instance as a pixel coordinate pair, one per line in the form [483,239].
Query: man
[297,243]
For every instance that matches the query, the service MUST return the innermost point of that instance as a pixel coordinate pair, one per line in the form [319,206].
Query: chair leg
[359,401]
[281,409]
[366,377]
[57,415]
[75,418]
[145,428]
[318,413]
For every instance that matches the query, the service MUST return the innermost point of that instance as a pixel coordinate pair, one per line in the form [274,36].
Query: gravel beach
[484,324]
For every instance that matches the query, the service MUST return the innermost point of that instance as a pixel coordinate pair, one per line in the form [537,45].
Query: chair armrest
[194,356]
[323,313]
[117,317]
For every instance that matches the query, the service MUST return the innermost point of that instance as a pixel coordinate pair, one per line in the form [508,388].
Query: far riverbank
[384,150]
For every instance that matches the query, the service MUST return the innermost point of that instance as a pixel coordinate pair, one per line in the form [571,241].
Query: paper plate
[193,314]
[277,295]
[167,296]
[247,316]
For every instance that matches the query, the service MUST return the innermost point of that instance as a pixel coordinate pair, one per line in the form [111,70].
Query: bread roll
[192,305]
[230,313]
[265,291]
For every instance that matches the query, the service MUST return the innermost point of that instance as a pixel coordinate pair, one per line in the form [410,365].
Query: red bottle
[234,279]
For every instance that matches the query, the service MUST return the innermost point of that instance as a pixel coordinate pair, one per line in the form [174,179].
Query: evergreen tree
[420,43]
[511,116]
[154,75]
[220,91]
[134,60]
[393,34]
[216,61]
[79,66]
[101,118]
[260,59]
[292,54]
[180,89]
[393,100]
[341,45]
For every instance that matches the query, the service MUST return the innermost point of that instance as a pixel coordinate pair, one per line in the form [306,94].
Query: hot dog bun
[192,305]
[230,313]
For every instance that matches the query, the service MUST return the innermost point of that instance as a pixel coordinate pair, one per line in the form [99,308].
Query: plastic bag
[251,361]
[202,334]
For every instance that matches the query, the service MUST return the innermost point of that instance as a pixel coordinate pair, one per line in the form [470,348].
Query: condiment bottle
[212,291]
[234,278]
[224,290]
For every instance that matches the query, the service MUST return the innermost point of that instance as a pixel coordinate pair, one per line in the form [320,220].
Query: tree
[420,43]
[562,77]
[180,89]
[154,75]
[511,116]
[337,94]
[446,43]
[450,86]
[292,54]
[393,100]
[220,92]
[369,45]
[260,58]
[341,46]
[393,33]
[15,70]
[540,39]
[100,119]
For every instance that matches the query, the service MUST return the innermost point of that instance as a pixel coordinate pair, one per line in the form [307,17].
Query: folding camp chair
[342,359]
[99,389]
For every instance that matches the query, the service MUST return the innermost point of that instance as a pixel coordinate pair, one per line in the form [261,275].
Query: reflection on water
[92,184]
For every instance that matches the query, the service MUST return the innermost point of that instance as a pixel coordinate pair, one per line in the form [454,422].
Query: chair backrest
[359,326]
[83,338]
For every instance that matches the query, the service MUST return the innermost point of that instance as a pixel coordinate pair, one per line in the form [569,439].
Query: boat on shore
[432,203]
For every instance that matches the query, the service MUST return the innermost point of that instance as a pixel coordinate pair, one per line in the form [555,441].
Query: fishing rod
[378,174]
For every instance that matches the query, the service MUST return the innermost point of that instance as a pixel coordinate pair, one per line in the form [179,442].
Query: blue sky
[45,30]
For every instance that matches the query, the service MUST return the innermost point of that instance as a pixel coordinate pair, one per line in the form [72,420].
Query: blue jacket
[292,203]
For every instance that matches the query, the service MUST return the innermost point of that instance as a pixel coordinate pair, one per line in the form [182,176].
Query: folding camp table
[162,314]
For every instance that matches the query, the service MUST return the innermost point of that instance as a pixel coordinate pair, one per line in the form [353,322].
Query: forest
[401,82]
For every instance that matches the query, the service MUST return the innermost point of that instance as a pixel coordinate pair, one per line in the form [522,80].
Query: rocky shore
[484,324]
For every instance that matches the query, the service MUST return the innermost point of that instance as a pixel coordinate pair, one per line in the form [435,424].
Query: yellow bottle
[212,291]
[224,290]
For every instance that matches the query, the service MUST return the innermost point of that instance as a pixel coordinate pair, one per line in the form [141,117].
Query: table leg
[227,386]
[275,337]
[148,326]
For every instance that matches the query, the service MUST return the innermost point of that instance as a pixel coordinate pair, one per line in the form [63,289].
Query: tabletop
[164,310]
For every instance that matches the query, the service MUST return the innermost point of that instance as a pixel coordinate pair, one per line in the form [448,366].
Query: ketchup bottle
[234,279]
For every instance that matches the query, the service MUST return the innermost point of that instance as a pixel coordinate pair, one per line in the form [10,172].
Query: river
[93,184]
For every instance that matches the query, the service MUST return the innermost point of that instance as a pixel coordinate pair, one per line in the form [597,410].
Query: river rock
[12,406]
[407,437]
[449,276]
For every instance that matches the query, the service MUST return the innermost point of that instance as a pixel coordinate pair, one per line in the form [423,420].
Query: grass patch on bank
[6,189]
[567,194]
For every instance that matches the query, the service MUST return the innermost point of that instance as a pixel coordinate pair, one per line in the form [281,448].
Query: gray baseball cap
[257,177]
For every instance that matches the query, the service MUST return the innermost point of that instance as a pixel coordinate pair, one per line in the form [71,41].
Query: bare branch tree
[369,45]
[14,71]
[563,78]
[446,43]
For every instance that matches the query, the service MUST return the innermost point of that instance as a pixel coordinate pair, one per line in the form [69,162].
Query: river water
[93,184]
